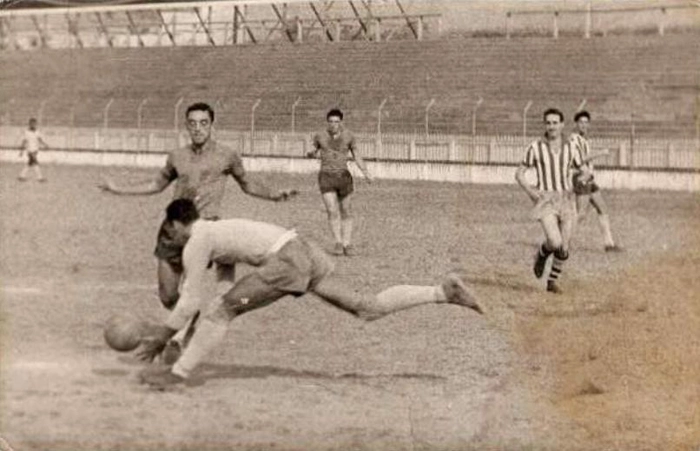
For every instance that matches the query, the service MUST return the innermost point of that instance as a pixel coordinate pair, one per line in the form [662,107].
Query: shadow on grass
[504,281]
[212,371]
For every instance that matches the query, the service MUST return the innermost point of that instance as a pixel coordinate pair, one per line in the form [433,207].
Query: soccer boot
[171,353]
[613,248]
[540,263]
[553,287]
[458,293]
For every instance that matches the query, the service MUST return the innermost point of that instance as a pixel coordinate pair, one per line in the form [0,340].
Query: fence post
[139,112]
[105,113]
[252,125]
[662,22]
[379,119]
[632,139]
[176,117]
[555,30]
[490,150]
[525,110]
[427,113]
[589,12]
[508,16]
[294,110]
[623,157]
[581,105]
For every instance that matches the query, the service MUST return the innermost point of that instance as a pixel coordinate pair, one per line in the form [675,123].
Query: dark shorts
[33,158]
[341,182]
[166,247]
[297,267]
[585,188]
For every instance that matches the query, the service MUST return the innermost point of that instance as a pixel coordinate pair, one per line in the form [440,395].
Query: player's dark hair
[182,210]
[335,112]
[581,114]
[201,106]
[549,111]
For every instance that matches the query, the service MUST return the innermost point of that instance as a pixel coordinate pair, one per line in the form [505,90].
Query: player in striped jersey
[554,159]
[585,187]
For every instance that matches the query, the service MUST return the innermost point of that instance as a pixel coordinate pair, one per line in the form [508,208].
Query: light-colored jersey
[581,144]
[201,176]
[334,150]
[224,242]
[32,138]
[553,166]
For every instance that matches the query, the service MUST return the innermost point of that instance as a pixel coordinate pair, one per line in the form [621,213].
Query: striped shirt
[581,144]
[553,166]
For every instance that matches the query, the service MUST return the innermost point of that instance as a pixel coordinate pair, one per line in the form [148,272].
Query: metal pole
[294,111]
[632,138]
[476,107]
[508,15]
[176,118]
[589,12]
[427,111]
[139,112]
[379,118]
[525,110]
[252,125]
[582,105]
[105,113]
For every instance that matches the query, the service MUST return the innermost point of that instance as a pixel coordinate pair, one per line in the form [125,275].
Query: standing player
[554,159]
[31,143]
[586,189]
[335,146]
[199,171]
[285,264]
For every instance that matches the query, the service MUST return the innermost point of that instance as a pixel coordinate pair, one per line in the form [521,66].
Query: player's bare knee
[554,243]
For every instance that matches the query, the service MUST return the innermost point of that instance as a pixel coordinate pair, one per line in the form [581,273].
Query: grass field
[614,363]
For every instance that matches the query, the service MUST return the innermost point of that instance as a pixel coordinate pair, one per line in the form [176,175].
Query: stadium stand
[623,79]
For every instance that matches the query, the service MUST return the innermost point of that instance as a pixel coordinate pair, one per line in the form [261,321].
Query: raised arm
[255,187]
[156,185]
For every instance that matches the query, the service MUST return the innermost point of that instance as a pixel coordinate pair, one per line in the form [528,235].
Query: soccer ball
[124,333]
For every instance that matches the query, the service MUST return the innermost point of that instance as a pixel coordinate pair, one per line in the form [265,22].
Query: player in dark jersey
[199,171]
[335,146]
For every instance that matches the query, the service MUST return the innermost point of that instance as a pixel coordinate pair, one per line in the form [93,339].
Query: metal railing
[648,153]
